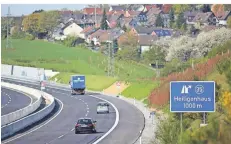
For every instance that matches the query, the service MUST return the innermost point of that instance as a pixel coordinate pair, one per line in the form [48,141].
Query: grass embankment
[140,90]
[93,82]
[77,60]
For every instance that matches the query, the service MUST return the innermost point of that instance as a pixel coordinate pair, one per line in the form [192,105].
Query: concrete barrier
[20,124]
[8,118]
[6,69]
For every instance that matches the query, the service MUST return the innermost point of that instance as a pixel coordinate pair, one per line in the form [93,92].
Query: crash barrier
[22,123]
[8,118]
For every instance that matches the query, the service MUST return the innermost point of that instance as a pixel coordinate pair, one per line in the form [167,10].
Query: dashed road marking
[73,129]
[87,107]
[60,136]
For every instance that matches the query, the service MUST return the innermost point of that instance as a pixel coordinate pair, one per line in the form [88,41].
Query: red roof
[92,11]
[148,7]
[86,29]
[166,8]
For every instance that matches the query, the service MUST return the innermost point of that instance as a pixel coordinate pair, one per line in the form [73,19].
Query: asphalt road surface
[12,101]
[61,129]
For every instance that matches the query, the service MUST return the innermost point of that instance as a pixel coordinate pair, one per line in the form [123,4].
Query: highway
[12,100]
[61,129]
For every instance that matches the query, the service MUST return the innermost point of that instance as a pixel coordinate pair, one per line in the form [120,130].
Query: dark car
[85,125]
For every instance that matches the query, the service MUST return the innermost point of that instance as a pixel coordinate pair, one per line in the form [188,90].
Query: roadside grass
[93,82]
[140,90]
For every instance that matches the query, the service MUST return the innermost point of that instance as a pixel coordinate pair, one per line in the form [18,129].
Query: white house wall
[145,48]
[222,22]
[72,30]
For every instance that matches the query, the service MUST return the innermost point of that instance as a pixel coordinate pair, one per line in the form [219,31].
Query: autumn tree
[227,7]
[206,8]
[31,24]
[180,8]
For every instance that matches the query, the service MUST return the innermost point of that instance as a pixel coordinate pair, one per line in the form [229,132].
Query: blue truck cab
[78,85]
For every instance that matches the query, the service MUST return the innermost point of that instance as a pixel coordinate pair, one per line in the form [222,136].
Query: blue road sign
[192,96]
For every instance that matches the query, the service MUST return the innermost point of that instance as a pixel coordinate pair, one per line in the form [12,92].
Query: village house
[222,18]
[203,19]
[145,42]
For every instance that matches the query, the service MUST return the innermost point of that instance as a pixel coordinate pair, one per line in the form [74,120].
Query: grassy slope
[139,90]
[76,60]
[92,82]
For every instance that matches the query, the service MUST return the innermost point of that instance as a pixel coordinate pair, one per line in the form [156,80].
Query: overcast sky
[24,9]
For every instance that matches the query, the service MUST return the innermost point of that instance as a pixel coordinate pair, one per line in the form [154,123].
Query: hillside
[77,60]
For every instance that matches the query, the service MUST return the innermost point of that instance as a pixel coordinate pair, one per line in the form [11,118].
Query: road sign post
[118,87]
[192,96]
[43,85]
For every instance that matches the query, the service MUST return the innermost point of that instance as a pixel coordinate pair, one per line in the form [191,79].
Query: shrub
[70,41]
[29,36]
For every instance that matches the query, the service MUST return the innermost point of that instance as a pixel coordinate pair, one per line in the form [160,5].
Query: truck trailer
[78,85]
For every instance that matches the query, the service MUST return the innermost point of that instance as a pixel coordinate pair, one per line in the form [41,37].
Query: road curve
[12,100]
[60,129]
[127,131]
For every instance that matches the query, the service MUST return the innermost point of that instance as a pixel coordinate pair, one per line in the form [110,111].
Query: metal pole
[95,16]
[140,138]
[181,125]
[204,117]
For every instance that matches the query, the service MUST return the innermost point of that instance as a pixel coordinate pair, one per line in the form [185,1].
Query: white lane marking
[87,111]
[115,124]
[87,107]
[86,115]
[73,129]
[39,126]
[60,136]
[8,102]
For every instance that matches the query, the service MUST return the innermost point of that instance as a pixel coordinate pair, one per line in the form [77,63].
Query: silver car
[102,107]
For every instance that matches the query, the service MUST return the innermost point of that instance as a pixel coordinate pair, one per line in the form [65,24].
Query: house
[161,32]
[140,30]
[92,11]
[95,36]
[117,8]
[142,17]
[151,21]
[58,32]
[189,16]
[150,6]
[154,11]
[222,18]
[128,22]
[203,19]
[111,35]
[73,29]
[88,31]
[145,42]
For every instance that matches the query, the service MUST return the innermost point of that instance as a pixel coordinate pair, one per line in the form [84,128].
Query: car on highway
[85,125]
[102,107]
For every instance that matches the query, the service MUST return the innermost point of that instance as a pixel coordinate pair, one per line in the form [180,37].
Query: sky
[24,9]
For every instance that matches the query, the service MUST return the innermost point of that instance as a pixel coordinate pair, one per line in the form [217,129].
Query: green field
[77,60]
[139,90]
[93,82]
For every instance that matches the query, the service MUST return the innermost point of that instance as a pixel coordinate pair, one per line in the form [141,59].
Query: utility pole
[111,57]
[8,41]
[95,17]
